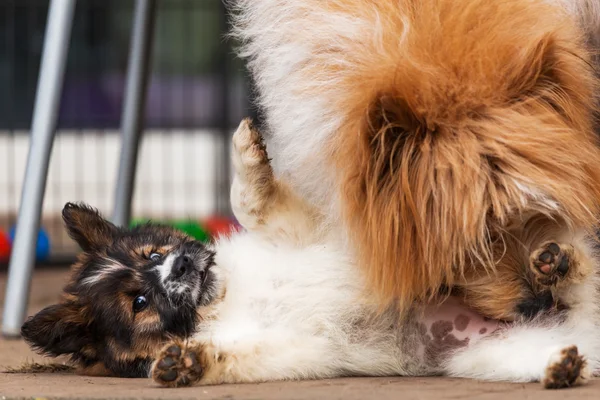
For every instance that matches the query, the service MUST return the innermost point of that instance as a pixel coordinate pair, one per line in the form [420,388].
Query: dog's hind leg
[262,203]
[543,353]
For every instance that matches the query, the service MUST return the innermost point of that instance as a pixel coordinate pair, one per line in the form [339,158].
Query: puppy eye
[139,304]
[155,256]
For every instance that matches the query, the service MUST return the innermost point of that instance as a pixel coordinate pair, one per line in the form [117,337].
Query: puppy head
[130,290]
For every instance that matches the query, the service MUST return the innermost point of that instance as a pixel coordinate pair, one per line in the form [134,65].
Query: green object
[189,227]
[137,221]
[192,229]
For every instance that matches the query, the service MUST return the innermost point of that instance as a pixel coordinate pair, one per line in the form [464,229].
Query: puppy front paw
[566,368]
[178,365]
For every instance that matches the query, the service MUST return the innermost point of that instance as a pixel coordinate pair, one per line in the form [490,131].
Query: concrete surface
[45,289]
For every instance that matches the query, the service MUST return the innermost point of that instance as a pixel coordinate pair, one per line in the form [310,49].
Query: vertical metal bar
[138,72]
[45,117]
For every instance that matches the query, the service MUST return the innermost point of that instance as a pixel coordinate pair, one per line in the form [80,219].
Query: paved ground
[46,287]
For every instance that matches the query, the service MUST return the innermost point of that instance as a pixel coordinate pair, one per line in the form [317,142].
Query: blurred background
[197,94]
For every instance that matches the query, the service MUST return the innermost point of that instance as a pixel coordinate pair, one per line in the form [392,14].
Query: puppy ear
[56,330]
[87,227]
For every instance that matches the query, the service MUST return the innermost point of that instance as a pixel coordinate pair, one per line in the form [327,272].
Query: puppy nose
[183,264]
[529,308]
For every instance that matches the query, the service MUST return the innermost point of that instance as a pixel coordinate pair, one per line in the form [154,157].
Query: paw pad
[565,371]
[177,367]
[551,264]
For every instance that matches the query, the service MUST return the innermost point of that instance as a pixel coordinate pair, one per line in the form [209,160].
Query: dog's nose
[183,264]
[531,307]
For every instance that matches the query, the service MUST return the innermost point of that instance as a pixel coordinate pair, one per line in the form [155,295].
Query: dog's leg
[268,358]
[540,265]
[529,354]
[561,263]
[552,271]
[262,203]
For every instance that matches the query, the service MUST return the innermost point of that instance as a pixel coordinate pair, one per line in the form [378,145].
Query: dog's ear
[87,227]
[57,329]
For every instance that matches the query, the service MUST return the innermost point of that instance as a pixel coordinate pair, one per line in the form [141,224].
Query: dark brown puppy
[129,292]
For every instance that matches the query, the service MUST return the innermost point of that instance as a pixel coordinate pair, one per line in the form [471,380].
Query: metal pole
[45,116]
[138,72]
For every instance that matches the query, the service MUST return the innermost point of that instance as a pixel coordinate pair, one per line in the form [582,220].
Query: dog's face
[130,291]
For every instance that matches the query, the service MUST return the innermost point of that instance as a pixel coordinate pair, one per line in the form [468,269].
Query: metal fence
[197,93]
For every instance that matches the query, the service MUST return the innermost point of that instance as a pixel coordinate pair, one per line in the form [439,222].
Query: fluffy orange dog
[449,139]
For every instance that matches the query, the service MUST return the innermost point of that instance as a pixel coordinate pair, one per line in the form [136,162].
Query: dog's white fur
[293,304]
[293,307]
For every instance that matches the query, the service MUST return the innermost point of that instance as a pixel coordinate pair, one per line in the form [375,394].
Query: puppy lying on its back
[281,301]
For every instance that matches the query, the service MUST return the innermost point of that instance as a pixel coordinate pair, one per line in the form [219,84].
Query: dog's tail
[459,119]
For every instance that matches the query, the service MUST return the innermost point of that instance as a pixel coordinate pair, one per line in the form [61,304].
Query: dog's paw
[178,365]
[249,147]
[566,368]
[551,263]
[254,182]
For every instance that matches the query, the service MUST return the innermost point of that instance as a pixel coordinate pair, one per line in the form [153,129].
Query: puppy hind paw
[566,368]
[551,263]
[254,182]
[249,146]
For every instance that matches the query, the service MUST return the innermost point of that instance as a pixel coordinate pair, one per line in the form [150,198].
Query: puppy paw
[551,263]
[249,147]
[254,181]
[566,368]
[178,365]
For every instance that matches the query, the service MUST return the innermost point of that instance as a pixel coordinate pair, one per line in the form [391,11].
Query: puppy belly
[448,327]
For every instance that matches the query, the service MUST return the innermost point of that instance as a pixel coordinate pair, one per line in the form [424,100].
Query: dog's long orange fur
[435,130]
[462,121]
